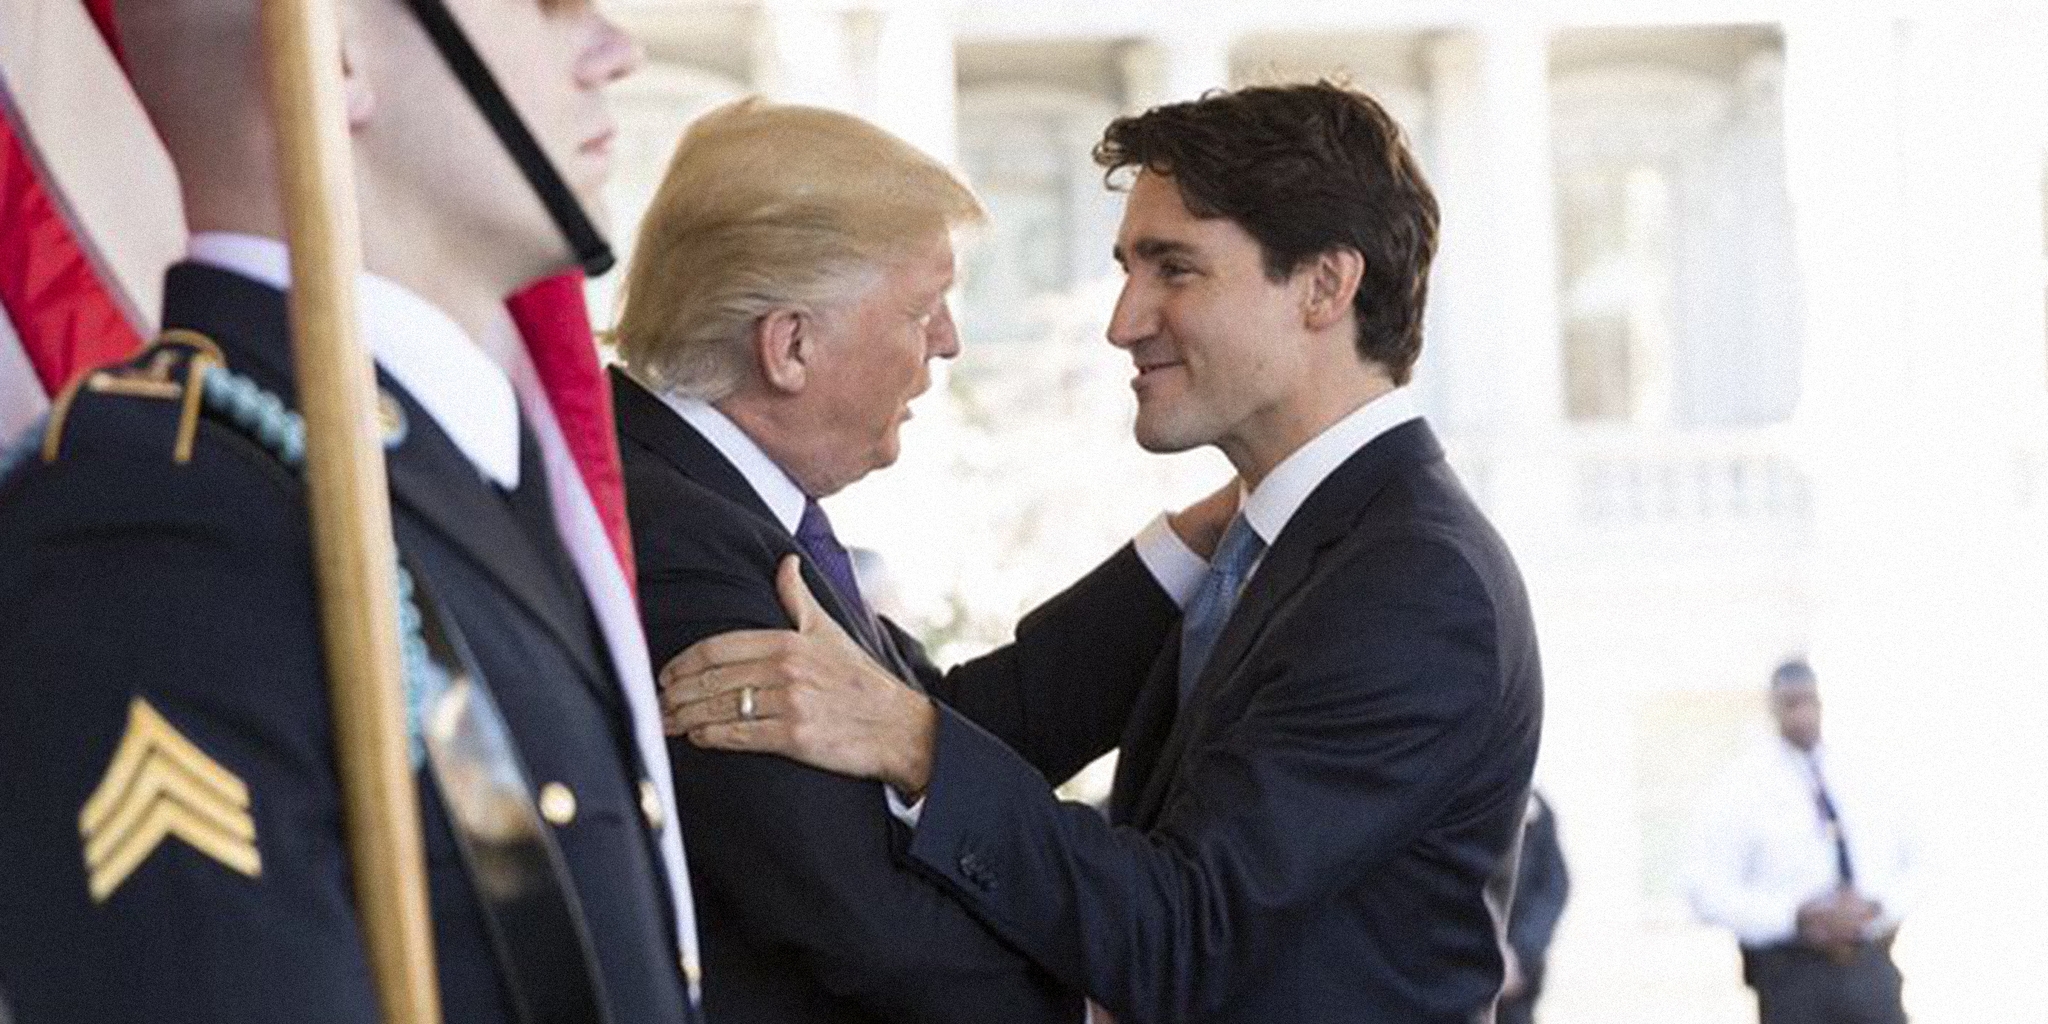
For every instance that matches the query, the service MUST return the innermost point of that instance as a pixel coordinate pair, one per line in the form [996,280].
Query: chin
[1165,438]
[885,456]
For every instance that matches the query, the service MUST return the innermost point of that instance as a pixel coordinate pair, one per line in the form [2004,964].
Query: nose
[1134,319]
[610,55]
[942,338]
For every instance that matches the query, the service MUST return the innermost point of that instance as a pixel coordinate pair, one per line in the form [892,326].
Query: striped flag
[89,212]
[89,219]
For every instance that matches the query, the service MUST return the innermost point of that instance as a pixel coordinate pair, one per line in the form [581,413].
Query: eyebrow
[1152,249]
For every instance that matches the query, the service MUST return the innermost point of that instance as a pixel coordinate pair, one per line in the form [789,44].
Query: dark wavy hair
[1305,170]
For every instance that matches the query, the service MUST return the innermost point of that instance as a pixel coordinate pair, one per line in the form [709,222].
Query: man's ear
[783,345]
[356,92]
[1333,280]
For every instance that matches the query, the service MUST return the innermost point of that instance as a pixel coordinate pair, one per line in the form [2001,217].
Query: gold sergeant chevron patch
[158,786]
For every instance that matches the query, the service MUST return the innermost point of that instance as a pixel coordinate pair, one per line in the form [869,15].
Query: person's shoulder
[680,524]
[167,435]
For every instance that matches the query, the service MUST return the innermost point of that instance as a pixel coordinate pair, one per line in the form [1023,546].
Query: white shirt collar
[1271,504]
[781,494]
[420,346]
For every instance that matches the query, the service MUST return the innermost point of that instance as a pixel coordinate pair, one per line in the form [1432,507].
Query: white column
[889,62]
[916,91]
[1493,338]
[805,53]
[1183,66]
[1914,152]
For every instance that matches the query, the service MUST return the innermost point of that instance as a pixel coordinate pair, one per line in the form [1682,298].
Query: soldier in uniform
[170,821]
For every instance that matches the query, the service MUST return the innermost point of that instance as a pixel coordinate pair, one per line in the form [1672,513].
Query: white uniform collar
[420,346]
[776,490]
[1271,504]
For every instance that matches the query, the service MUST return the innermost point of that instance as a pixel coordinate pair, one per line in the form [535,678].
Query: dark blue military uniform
[171,842]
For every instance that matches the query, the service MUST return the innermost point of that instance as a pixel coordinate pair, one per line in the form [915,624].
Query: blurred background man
[1542,884]
[1803,858]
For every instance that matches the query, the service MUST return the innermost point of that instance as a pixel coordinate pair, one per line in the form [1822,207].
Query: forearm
[1058,882]
[796,855]
[1062,693]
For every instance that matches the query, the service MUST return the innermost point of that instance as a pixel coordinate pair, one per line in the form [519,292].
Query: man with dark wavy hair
[1324,774]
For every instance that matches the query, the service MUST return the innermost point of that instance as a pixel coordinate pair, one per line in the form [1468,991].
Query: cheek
[907,370]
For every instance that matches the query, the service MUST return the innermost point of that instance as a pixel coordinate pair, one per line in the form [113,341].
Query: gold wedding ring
[747,704]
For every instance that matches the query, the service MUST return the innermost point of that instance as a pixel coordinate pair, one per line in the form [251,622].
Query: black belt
[530,909]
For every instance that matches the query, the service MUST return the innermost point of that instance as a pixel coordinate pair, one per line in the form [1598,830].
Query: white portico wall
[1171,68]
[890,62]
[1915,152]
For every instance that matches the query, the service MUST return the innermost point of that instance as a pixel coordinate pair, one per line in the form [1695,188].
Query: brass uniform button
[390,419]
[650,804]
[557,804]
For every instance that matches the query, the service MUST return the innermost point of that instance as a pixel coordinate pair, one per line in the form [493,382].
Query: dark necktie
[1213,602]
[814,534]
[1845,871]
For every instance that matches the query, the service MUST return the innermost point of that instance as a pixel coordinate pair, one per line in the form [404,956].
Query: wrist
[911,775]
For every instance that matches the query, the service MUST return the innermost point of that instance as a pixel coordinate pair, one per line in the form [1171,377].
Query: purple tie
[814,535]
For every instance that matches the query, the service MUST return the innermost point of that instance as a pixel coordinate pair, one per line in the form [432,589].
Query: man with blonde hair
[787,293]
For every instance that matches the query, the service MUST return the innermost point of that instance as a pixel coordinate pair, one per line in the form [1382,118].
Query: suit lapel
[248,320]
[644,418]
[1323,520]
[1146,734]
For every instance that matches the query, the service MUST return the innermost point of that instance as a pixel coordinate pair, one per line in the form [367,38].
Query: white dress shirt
[1761,846]
[437,363]
[1272,504]
[768,480]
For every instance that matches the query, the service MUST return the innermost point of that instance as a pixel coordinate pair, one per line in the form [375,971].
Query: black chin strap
[592,252]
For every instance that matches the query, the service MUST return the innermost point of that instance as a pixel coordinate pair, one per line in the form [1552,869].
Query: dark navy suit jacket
[1321,833]
[806,913]
[191,586]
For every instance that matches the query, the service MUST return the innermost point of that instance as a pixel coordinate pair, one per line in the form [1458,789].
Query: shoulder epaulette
[173,369]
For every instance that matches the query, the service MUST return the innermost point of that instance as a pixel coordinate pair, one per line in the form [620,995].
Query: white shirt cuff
[907,814]
[1170,561]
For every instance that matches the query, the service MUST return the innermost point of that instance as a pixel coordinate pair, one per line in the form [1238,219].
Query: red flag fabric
[102,14]
[65,319]
[88,204]
[555,324]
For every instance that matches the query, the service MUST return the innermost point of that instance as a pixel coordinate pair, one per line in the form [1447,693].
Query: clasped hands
[812,695]
[1837,923]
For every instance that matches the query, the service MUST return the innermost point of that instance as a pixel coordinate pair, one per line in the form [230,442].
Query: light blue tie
[1211,606]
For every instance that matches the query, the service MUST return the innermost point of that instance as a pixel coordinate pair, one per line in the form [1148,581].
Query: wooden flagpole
[354,555]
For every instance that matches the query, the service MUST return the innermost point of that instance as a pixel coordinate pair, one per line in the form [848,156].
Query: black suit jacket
[191,586]
[807,915]
[1319,835]
[1542,884]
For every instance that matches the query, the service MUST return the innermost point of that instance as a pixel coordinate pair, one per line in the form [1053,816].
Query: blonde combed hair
[769,206]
